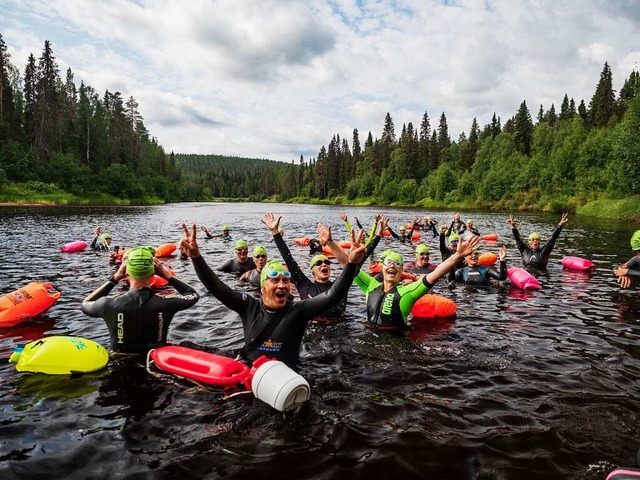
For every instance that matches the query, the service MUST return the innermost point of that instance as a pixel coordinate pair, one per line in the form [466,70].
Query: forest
[63,143]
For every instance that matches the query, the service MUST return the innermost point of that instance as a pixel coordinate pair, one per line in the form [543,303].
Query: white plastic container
[279,386]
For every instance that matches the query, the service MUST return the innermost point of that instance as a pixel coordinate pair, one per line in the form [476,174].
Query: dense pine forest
[71,145]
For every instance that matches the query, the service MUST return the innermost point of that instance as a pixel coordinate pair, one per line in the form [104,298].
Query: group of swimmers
[273,323]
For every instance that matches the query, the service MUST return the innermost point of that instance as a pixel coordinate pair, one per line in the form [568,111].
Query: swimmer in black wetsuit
[422,265]
[101,242]
[474,274]
[260,259]
[242,263]
[630,270]
[468,230]
[139,319]
[226,236]
[429,225]
[533,255]
[456,225]
[279,320]
[447,250]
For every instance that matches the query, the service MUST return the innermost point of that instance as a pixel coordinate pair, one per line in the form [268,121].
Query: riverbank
[41,194]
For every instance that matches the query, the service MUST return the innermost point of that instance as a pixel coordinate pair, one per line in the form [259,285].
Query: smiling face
[242,254]
[534,243]
[260,260]
[392,268]
[275,291]
[422,259]
[321,271]
[472,259]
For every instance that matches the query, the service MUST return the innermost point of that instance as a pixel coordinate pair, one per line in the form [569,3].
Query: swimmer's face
[321,271]
[422,259]
[242,254]
[275,291]
[472,259]
[392,272]
[534,243]
[260,261]
[456,217]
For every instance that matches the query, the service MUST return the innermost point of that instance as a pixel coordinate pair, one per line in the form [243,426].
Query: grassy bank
[38,193]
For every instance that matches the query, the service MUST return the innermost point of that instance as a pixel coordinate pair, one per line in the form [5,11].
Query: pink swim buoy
[522,279]
[76,246]
[578,263]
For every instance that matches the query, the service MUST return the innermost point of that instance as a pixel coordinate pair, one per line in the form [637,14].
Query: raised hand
[503,253]
[564,219]
[121,272]
[324,234]
[271,222]
[188,245]
[343,217]
[204,229]
[465,247]
[511,221]
[625,282]
[356,255]
[384,222]
[161,270]
[443,229]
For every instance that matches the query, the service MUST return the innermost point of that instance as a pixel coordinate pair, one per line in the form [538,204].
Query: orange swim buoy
[327,251]
[165,250]
[375,267]
[345,244]
[302,241]
[487,259]
[490,237]
[431,305]
[26,302]
[416,235]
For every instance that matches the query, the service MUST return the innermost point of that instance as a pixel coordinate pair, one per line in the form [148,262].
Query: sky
[278,79]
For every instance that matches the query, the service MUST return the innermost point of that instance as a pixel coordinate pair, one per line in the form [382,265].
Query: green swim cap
[240,244]
[140,262]
[259,250]
[421,248]
[384,254]
[225,228]
[635,240]
[106,236]
[534,235]
[453,238]
[315,259]
[469,221]
[273,269]
[403,228]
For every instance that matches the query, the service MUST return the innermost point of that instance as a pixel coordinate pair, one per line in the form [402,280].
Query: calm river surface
[540,385]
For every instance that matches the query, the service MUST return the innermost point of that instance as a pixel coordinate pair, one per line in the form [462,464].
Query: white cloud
[278,78]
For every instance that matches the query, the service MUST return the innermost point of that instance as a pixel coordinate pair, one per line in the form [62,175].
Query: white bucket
[279,386]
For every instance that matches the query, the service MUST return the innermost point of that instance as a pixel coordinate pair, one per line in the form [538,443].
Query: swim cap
[317,258]
[225,228]
[240,244]
[259,250]
[106,236]
[453,238]
[140,262]
[635,240]
[403,228]
[280,230]
[534,235]
[421,248]
[470,222]
[396,257]
[384,254]
[272,269]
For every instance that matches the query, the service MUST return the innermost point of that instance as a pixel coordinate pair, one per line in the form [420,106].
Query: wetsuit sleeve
[348,225]
[227,296]
[93,244]
[449,230]
[516,236]
[318,304]
[459,275]
[371,246]
[444,251]
[187,296]
[546,250]
[502,272]
[208,234]
[634,267]
[90,305]
[359,224]
[363,280]
[297,276]
[409,294]
[372,232]
[393,234]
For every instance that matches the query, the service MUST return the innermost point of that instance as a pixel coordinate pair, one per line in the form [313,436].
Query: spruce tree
[523,134]
[603,102]
[443,139]
[423,145]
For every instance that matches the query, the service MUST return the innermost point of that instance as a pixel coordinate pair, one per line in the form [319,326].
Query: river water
[519,385]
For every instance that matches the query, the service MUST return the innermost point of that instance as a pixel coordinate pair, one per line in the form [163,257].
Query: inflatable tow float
[60,356]
[578,263]
[522,279]
[434,306]
[76,246]
[26,302]
[270,380]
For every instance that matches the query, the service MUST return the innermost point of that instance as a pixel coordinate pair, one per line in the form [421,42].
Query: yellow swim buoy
[60,356]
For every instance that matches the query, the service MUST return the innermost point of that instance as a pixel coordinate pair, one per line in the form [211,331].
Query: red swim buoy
[26,302]
[431,305]
[522,279]
[302,241]
[345,244]
[76,246]
[487,259]
[201,366]
[375,267]
[490,237]
[578,263]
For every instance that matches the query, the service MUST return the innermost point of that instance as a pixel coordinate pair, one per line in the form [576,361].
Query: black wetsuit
[431,226]
[100,247]
[234,266]
[416,270]
[456,226]
[536,258]
[479,275]
[634,267]
[285,340]
[407,235]
[446,253]
[471,230]
[251,277]
[139,319]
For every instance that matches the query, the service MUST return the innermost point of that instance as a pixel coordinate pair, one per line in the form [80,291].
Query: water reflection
[520,384]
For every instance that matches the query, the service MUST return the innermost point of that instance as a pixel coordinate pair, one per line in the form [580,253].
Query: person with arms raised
[534,255]
[273,324]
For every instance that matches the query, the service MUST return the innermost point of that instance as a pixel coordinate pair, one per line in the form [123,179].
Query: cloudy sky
[277,78]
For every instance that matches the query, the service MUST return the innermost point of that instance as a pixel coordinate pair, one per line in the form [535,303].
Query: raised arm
[324,235]
[464,249]
[273,224]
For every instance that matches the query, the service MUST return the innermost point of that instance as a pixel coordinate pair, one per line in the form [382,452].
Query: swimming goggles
[423,254]
[389,262]
[322,262]
[260,256]
[277,273]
